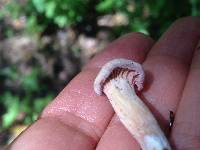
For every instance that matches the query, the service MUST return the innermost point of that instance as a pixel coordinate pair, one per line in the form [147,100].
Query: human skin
[79,119]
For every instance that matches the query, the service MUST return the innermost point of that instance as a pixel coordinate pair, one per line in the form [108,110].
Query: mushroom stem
[117,79]
[135,116]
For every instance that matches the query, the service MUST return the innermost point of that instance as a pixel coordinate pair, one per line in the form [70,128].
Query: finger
[167,67]
[186,131]
[168,63]
[117,137]
[52,134]
[134,46]
[78,108]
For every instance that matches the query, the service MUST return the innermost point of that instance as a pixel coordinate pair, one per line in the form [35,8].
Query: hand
[79,119]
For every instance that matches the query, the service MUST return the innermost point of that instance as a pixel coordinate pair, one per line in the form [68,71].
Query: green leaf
[195,5]
[139,26]
[30,81]
[105,5]
[50,9]
[39,5]
[61,21]
[13,106]
[32,25]
[41,102]
[156,7]
[10,72]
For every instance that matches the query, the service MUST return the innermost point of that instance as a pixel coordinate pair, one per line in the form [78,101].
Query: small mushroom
[117,80]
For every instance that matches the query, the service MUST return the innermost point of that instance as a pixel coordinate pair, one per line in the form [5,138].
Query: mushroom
[117,80]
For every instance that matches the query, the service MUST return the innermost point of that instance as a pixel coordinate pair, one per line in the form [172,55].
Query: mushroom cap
[107,70]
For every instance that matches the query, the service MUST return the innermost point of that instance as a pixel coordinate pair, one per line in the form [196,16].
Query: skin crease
[79,119]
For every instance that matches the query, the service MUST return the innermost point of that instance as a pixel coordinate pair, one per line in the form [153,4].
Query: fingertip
[187,20]
[134,46]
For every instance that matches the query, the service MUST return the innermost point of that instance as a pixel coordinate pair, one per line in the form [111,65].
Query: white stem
[135,115]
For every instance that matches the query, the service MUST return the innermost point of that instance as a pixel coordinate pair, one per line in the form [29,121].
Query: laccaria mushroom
[117,80]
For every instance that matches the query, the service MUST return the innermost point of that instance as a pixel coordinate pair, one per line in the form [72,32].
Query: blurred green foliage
[12,104]
[61,12]
[28,98]
[147,16]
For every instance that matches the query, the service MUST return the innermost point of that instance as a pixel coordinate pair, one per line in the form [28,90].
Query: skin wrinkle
[82,106]
[57,113]
[196,56]
[78,92]
[42,126]
[84,126]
